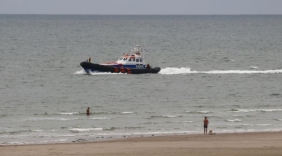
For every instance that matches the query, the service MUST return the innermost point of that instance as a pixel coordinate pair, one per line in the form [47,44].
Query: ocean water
[227,68]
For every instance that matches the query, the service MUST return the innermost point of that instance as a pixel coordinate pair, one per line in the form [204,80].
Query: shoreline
[251,143]
[101,138]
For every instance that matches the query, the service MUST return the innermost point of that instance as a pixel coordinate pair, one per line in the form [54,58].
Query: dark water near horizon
[227,68]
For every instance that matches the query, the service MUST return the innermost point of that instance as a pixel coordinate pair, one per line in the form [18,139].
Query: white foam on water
[126,112]
[80,72]
[238,115]
[104,73]
[68,113]
[182,121]
[260,125]
[187,70]
[243,72]
[37,130]
[43,119]
[253,67]
[199,112]
[171,116]
[256,110]
[234,120]
[263,124]
[101,118]
[85,129]
[173,70]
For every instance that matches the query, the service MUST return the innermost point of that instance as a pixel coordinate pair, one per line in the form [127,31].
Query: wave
[234,120]
[239,116]
[164,116]
[14,132]
[101,118]
[254,125]
[36,130]
[69,113]
[65,119]
[179,121]
[256,110]
[253,67]
[111,128]
[127,112]
[187,70]
[133,128]
[82,113]
[76,130]
[199,112]
[53,119]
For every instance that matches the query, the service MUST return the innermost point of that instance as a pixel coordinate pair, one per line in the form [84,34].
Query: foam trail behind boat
[186,70]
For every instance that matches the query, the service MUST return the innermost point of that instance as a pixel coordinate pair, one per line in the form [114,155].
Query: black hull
[101,68]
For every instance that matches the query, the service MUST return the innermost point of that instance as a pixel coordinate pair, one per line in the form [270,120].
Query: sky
[141,7]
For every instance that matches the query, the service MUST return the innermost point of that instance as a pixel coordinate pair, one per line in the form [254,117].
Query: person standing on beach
[206,122]
[88,111]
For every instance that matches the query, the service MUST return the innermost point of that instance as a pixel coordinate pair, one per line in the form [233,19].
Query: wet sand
[235,144]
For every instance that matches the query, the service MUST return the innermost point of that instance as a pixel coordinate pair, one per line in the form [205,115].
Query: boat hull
[92,67]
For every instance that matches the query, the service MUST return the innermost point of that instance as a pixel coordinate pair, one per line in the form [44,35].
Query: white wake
[186,70]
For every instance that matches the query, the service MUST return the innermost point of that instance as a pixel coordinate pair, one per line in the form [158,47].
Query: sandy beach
[256,144]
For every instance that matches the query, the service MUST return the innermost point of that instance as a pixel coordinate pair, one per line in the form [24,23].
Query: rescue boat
[132,63]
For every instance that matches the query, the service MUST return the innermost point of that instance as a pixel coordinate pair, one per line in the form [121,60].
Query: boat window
[141,60]
[120,58]
[133,58]
[124,58]
[137,60]
[129,59]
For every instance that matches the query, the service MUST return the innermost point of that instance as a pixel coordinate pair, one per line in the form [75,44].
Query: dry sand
[238,144]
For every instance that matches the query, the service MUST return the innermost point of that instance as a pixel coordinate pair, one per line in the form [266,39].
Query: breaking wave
[101,118]
[76,130]
[198,112]
[69,113]
[255,110]
[43,119]
[234,120]
[165,116]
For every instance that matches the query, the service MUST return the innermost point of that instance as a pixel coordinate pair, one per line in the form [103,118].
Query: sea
[225,67]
